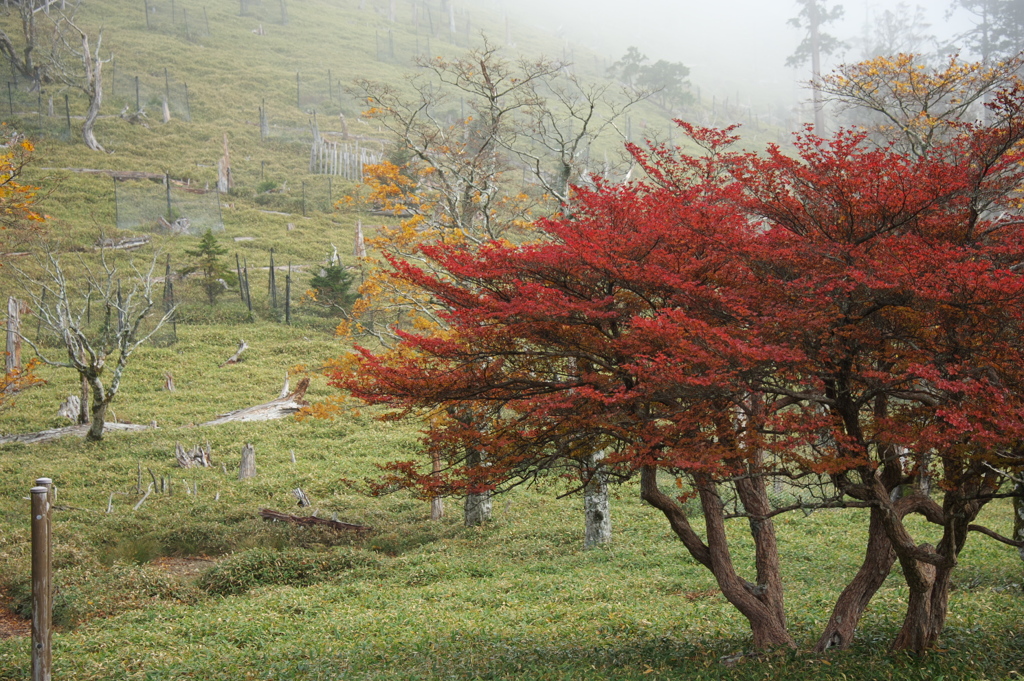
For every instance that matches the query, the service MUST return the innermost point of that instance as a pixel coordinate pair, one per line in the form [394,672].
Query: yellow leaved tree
[904,101]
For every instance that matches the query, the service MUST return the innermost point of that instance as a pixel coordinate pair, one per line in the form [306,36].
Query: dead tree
[20,50]
[63,310]
[77,64]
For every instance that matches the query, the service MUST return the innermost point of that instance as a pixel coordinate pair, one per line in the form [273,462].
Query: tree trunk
[1018,516]
[83,403]
[95,92]
[13,334]
[595,505]
[436,503]
[478,504]
[760,603]
[922,625]
[878,560]
[98,416]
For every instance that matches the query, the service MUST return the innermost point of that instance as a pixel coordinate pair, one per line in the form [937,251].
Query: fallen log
[309,521]
[269,411]
[80,431]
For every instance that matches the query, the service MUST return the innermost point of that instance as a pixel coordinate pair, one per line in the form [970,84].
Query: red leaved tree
[894,281]
[836,320]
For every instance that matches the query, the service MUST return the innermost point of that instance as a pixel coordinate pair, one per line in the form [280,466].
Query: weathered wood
[237,357]
[15,308]
[123,244]
[308,521]
[301,496]
[225,182]
[138,505]
[70,408]
[247,467]
[169,382]
[78,430]
[197,457]
[269,411]
[42,584]
[284,388]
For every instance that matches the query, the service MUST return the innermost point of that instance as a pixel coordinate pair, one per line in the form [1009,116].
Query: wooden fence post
[14,310]
[42,611]
[288,296]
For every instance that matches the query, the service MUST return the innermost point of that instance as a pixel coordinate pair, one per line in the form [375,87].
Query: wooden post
[247,468]
[272,282]
[13,334]
[288,296]
[167,184]
[248,295]
[138,102]
[67,114]
[42,609]
[238,273]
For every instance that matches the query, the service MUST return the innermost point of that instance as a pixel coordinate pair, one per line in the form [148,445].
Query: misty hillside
[257,75]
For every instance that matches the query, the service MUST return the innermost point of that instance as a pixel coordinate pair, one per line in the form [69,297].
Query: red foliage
[848,311]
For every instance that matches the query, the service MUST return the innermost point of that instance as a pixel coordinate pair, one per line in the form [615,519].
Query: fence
[173,17]
[344,159]
[164,206]
[148,92]
[271,10]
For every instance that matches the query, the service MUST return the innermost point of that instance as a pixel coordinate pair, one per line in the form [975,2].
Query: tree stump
[247,468]
[197,457]
[301,496]
[70,408]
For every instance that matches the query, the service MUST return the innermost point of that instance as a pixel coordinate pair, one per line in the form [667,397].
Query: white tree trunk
[595,506]
[13,334]
[478,505]
[1018,517]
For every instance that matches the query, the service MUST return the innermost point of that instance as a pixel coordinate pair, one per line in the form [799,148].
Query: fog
[733,49]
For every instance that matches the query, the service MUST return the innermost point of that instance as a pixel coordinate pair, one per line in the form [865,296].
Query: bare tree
[101,349]
[20,50]
[65,55]
[76,63]
[483,140]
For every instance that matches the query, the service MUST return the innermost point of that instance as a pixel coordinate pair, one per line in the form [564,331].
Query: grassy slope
[517,599]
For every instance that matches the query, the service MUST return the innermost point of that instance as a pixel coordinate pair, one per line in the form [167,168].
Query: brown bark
[878,561]
[752,600]
[760,603]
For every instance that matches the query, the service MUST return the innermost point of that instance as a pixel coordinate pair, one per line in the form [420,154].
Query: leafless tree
[57,50]
[75,62]
[122,298]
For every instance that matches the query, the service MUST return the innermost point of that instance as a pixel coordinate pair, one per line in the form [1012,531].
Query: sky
[733,49]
